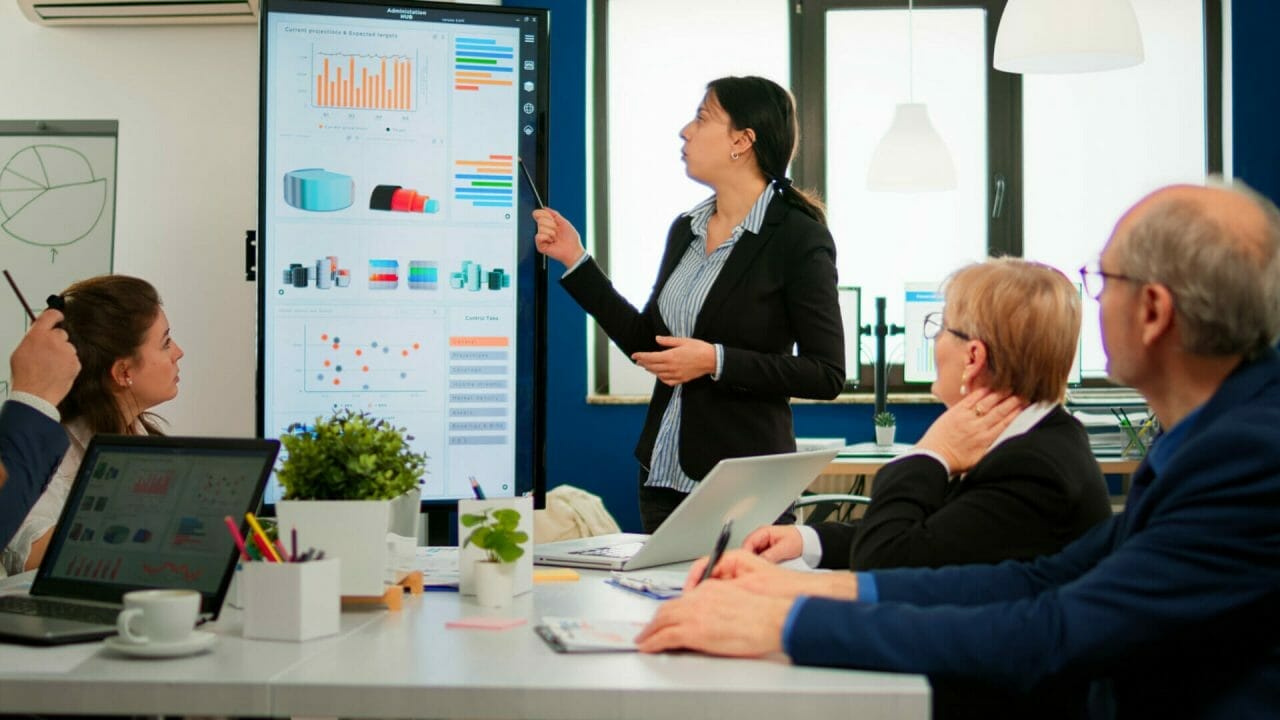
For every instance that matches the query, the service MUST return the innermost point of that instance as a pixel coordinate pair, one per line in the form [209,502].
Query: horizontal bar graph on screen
[482,62]
[485,183]
[363,82]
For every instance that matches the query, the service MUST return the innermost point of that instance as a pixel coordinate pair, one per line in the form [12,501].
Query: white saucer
[197,641]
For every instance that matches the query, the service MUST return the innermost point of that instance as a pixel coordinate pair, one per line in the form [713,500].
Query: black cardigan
[1031,495]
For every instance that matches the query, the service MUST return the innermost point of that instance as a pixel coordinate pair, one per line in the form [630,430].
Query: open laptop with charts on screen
[751,491]
[143,512]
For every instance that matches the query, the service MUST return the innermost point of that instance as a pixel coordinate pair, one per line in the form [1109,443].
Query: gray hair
[1225,278]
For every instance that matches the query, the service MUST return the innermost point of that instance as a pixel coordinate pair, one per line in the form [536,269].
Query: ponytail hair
[768,110]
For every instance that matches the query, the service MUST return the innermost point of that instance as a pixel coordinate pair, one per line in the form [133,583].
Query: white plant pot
[884,435]
[354,531]
[495,583]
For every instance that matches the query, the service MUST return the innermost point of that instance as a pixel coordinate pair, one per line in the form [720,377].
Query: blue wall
[591,446]
[1255,62]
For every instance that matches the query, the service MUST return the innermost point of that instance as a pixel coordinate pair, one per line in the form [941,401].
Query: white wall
[187,102]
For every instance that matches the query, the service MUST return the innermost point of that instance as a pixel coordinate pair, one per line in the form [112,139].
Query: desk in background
[853,469]
[407,664]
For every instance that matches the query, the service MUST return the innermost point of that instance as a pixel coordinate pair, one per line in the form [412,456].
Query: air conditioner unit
[139,12]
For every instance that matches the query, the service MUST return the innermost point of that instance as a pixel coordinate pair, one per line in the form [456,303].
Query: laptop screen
[149,513]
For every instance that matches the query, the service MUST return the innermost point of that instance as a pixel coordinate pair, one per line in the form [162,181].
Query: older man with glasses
[1170,609]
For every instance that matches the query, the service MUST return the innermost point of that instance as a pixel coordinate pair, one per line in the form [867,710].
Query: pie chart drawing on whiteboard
[49,196]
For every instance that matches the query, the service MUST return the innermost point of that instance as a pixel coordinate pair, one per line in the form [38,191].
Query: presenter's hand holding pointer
[556,237]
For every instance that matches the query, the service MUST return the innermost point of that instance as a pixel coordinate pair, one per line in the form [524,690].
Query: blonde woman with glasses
[1005,473]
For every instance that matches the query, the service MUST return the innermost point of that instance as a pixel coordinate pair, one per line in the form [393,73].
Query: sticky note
[546,575]
[485,623]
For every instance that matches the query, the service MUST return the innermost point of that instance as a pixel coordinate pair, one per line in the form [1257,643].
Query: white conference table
[407,664]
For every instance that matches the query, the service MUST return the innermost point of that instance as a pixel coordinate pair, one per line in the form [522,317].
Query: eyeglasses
[933,327]
[1093,277]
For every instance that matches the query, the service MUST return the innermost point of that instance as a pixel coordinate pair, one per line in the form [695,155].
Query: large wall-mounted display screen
[397,274]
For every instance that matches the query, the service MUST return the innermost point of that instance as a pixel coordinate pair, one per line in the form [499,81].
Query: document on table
[439,565]
[575,635]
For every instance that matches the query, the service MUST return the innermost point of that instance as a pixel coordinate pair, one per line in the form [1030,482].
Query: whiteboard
[57,213]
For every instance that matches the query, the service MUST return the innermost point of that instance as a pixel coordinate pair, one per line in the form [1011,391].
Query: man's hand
[556,237]
[687,359]
[44,364]
[963,434]
[718,618]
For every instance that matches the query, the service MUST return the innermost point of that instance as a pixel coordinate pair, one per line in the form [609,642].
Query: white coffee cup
[158,616]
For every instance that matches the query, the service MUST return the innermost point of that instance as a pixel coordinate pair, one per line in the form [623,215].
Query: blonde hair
[1028,316]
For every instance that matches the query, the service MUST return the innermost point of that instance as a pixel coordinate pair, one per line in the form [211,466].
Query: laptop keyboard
[40,607]
[624,550]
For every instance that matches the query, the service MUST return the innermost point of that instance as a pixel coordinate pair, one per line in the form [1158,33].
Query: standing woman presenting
[747,275]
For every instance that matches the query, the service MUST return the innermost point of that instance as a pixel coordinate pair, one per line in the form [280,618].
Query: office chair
[830,507]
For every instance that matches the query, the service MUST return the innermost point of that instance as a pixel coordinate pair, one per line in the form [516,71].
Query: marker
[260,538]
[722,542]
[529,179]
[236,536]
[475,488]
[23,300]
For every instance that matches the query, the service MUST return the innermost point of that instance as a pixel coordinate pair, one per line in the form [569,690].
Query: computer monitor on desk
[923,298]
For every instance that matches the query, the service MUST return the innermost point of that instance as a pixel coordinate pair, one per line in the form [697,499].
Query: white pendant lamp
[1067,36]
[911,157]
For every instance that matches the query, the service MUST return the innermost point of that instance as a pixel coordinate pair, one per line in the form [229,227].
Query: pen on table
[236,536]
[529,179]
[21,299]
[722,542]
[261,538]
[475,488]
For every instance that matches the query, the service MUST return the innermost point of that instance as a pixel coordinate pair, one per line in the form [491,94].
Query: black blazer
[776,291]
[1032,495]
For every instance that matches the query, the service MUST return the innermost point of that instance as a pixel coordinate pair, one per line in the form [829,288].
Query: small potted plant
[496,531]
[886,424]
[349,480]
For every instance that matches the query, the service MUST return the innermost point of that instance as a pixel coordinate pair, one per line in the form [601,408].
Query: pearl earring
[734,156]
[964,389]
[129,382]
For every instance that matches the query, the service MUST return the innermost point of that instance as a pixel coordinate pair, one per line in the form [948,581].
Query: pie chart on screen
[49,196]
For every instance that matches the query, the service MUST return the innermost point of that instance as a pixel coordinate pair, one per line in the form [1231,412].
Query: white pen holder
[522,581]
[291,601]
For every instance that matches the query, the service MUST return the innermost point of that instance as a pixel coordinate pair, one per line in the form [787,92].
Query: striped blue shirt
[680,303]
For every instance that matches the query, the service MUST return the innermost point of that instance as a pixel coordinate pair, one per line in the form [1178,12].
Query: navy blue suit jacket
[776,292]
[1171,609]
[31,446]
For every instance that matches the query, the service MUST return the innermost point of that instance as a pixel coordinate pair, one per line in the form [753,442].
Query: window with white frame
[1045,164]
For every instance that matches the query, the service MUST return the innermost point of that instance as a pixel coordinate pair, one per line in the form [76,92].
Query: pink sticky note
[486,623]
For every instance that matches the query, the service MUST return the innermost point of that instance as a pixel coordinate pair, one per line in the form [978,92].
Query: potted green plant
[886,424]
[348,480]
[497,532]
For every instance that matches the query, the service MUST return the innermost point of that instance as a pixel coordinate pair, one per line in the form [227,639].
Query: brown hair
[767,108]
[106,319]
[1028,316]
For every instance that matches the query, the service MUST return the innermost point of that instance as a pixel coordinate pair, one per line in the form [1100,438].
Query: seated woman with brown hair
[129,364]
[1009,330]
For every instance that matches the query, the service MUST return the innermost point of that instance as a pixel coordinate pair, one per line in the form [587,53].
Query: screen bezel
[530,478]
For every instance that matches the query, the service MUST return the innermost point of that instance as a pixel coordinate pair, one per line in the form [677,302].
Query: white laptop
[751,491]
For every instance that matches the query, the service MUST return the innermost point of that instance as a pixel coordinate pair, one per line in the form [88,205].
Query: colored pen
[261,538]
[475,488]
[293,541]
[284,554]
[722,542]
[23,300]
[529,179]
[236,536]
